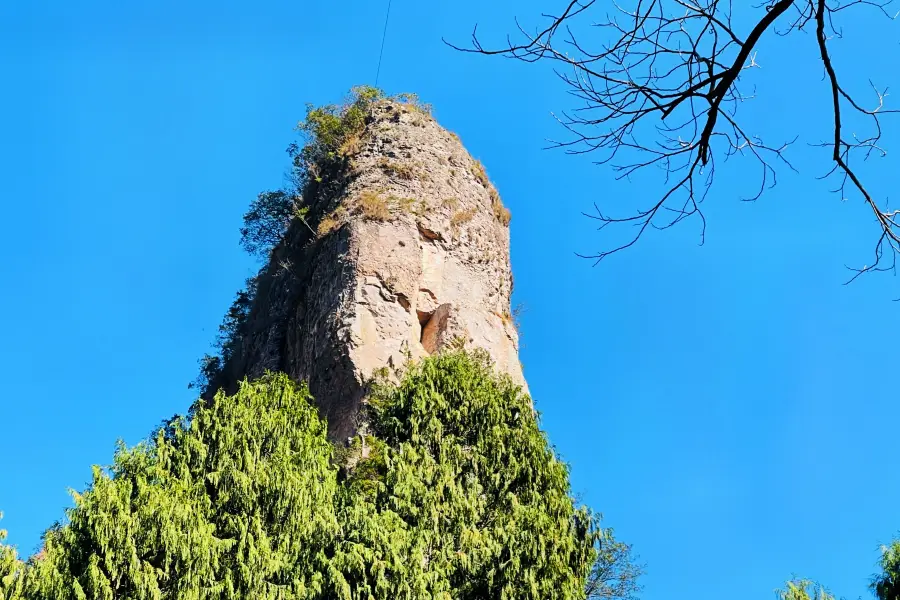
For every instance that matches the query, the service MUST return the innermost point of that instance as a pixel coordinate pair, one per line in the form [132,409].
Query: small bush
[331,221]
[333,130]
[414,102]
[326,225]
[406,205]
[396,169]
[477,169]
[501,213]
[513,318]
[461,217]
[373,206]
[350,146]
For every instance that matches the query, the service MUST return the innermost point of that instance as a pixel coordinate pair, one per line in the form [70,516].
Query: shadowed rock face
[417,259]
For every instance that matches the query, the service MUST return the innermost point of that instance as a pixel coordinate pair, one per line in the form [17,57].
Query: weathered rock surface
[411,255]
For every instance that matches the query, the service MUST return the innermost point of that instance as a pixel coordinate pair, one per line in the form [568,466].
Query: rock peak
[404,252]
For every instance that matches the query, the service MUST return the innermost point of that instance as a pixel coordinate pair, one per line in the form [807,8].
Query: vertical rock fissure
[424,320]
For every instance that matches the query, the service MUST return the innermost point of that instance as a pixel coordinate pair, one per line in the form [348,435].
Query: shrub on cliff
[328,133]
[454,493]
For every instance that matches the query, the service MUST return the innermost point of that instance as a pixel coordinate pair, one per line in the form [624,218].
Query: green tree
[329,132]
[453,492]
[886,585]
[237,502]
[10,571]
[615,575]
[477,502]
[803,589]
[266,221]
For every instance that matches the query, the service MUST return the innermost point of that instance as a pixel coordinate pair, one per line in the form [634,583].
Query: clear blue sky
[729,408]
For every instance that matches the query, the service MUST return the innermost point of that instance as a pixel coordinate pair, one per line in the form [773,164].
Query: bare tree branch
[662,89]
[841,149]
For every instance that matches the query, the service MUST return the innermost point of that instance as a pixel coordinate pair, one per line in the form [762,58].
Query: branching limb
[662,89]
[842,148]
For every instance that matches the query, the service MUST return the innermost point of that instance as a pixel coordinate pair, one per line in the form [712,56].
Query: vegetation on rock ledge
[330,136]
[330,133]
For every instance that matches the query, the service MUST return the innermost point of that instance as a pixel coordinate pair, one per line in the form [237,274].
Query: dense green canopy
[454,492]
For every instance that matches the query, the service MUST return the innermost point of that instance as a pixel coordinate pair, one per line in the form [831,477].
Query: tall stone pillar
[405,252]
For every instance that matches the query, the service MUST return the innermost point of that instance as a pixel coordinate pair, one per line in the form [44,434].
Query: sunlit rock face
[413,257]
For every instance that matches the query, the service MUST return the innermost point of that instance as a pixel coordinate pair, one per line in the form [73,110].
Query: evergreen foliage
[804,589]
[886,585]
[11,578]
[454,493]
[479,503]
[233,503]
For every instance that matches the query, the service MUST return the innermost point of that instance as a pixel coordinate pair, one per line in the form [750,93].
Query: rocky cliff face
[404,251]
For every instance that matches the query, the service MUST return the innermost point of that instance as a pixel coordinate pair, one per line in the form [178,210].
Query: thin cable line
[383,37]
